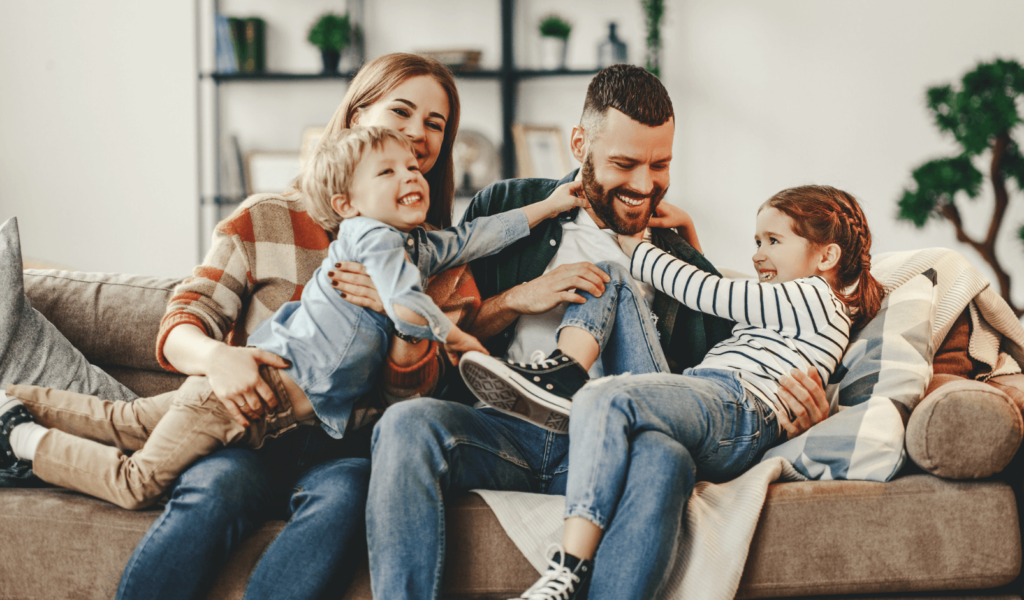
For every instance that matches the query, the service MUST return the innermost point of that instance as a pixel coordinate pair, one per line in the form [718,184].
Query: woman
[261,257]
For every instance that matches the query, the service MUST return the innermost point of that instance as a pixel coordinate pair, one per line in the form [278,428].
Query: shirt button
[437,331]
[554,243]
[409,242]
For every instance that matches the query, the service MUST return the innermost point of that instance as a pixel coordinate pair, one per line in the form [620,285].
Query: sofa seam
[108,283]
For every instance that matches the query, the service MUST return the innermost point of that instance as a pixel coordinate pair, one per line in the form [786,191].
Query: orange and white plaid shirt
[261,257]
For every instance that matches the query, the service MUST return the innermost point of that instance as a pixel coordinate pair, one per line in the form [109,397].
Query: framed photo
[540,151]
[270,172]
[310,137]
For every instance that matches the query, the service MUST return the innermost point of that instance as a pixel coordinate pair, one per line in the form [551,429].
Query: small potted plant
[332,34]
[554,38]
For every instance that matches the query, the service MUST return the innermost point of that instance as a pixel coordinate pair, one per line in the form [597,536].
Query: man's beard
[603,202]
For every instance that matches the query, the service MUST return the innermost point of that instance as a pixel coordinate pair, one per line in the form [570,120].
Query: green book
[255,46]
[237,27]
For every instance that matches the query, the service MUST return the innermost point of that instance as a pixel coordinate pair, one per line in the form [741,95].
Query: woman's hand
[628,243]
[234,375]
[804,396]
[459,342]
[355,285]
[670,216]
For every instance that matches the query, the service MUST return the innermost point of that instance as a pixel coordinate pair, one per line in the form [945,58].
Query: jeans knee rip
[595,383]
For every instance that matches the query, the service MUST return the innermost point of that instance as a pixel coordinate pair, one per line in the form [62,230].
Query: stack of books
[241,46]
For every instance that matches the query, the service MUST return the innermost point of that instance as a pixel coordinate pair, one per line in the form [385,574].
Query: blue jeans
[426,450]
[225,497]
[702,421]
[620,321]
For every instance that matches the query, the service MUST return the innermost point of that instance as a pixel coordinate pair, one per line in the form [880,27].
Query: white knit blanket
[715,538]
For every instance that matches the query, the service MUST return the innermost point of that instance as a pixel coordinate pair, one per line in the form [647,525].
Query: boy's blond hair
[330,168]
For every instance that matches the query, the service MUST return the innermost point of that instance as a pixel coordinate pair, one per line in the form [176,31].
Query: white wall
[767,94]
[97,133]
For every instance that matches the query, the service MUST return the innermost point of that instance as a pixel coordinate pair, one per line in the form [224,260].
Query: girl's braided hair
[824,215]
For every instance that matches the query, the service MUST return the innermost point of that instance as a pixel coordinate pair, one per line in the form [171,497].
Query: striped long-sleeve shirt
[779,326]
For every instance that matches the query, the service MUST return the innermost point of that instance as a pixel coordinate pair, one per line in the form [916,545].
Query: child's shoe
[567,578]
[14,414]
[540,392]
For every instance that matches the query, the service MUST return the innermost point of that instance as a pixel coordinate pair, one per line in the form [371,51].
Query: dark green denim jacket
[685,335]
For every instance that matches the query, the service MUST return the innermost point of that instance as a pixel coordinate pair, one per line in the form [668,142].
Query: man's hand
[234,375]
[804,395]
[670,216]
[556,286]
[459,342]
[355,285]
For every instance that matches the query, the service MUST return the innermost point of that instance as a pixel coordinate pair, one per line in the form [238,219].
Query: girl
[814,285]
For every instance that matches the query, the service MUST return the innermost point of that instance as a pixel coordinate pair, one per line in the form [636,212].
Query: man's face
[625,171]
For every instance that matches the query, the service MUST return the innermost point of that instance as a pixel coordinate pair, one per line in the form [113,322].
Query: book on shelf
[254,30]
[225,60]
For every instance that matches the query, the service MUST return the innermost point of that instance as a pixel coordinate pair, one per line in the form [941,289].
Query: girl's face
[418,107]
[782,255]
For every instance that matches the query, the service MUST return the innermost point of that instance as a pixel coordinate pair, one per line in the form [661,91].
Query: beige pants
[85,449]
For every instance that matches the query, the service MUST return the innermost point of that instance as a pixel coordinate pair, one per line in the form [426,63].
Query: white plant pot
[552,53]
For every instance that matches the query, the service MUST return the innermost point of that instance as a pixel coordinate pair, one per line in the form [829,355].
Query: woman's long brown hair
[380,76]
[824,215]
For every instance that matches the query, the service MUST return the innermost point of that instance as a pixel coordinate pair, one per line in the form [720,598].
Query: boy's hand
[459,342]
[628,243]
[565,197]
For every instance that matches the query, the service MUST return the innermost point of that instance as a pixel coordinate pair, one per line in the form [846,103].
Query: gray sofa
[916,536]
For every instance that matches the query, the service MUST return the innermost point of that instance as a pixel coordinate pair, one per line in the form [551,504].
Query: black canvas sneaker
[10,419]
[539,392]
[567,578]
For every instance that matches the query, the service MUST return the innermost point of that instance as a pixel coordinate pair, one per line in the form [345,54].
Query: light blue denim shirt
[336,347]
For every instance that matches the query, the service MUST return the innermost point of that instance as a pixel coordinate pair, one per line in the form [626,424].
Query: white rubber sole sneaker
[500,387]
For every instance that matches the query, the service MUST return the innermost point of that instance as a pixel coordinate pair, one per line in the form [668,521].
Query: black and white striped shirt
[779,326]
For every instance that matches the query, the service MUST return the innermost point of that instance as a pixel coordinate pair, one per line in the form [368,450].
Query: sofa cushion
[32,350]
[914,533]
[965,429]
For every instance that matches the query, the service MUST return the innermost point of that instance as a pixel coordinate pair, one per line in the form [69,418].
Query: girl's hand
[234,375]
[355,285]
[459,342]
[669,216]
[804,396]
[628,243]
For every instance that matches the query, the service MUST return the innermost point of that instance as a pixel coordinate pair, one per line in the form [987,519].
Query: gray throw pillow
[32,350]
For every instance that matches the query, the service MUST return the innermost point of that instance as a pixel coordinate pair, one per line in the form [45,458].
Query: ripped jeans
[622,324]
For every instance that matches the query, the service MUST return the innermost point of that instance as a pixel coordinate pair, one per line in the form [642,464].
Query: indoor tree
[981,116]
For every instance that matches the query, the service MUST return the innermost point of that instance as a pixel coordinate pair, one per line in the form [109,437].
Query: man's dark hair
[630,90]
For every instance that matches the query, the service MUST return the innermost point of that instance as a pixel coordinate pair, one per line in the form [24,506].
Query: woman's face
[418,107]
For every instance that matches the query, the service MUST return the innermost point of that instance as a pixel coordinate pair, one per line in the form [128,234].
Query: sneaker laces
[557,583]
[538,360]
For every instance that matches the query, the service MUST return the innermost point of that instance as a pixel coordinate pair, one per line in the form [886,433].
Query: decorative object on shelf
[981,116]
[254,45]
[476,162]
[456,60]
[654,11]
[612,51]
[226,61]
[232,165]
[554,42]
[310,137]
[332,34]
[271,172]
[540,151]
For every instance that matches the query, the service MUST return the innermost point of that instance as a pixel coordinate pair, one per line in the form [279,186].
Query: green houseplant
[654,12]
[554,36]
[981,117]
[331,33]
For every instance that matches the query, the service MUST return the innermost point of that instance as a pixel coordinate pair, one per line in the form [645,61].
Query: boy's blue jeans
[427,450]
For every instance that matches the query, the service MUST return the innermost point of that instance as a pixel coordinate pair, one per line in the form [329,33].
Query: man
[425,450]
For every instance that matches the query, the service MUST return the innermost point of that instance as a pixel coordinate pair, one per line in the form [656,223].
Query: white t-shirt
[582,240]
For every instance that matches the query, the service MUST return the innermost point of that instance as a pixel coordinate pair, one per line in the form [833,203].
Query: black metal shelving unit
[508,77]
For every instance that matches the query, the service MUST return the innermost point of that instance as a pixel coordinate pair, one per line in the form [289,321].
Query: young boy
[367,180]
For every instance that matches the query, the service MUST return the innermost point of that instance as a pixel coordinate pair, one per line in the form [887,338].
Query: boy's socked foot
[567,578]
[540,392]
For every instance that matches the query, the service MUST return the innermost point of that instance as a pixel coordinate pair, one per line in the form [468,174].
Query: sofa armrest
[112,319]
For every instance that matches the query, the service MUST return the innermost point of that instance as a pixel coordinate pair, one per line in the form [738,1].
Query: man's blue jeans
[702,422]
[225,497]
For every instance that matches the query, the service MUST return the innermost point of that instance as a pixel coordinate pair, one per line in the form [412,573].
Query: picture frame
[541,151]
[310,137]
[270,172]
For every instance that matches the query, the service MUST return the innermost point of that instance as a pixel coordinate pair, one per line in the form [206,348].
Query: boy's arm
[484,236]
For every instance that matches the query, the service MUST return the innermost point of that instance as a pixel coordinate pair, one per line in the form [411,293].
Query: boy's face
[387,186]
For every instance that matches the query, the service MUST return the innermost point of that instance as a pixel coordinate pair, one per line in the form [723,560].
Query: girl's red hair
[824,215]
